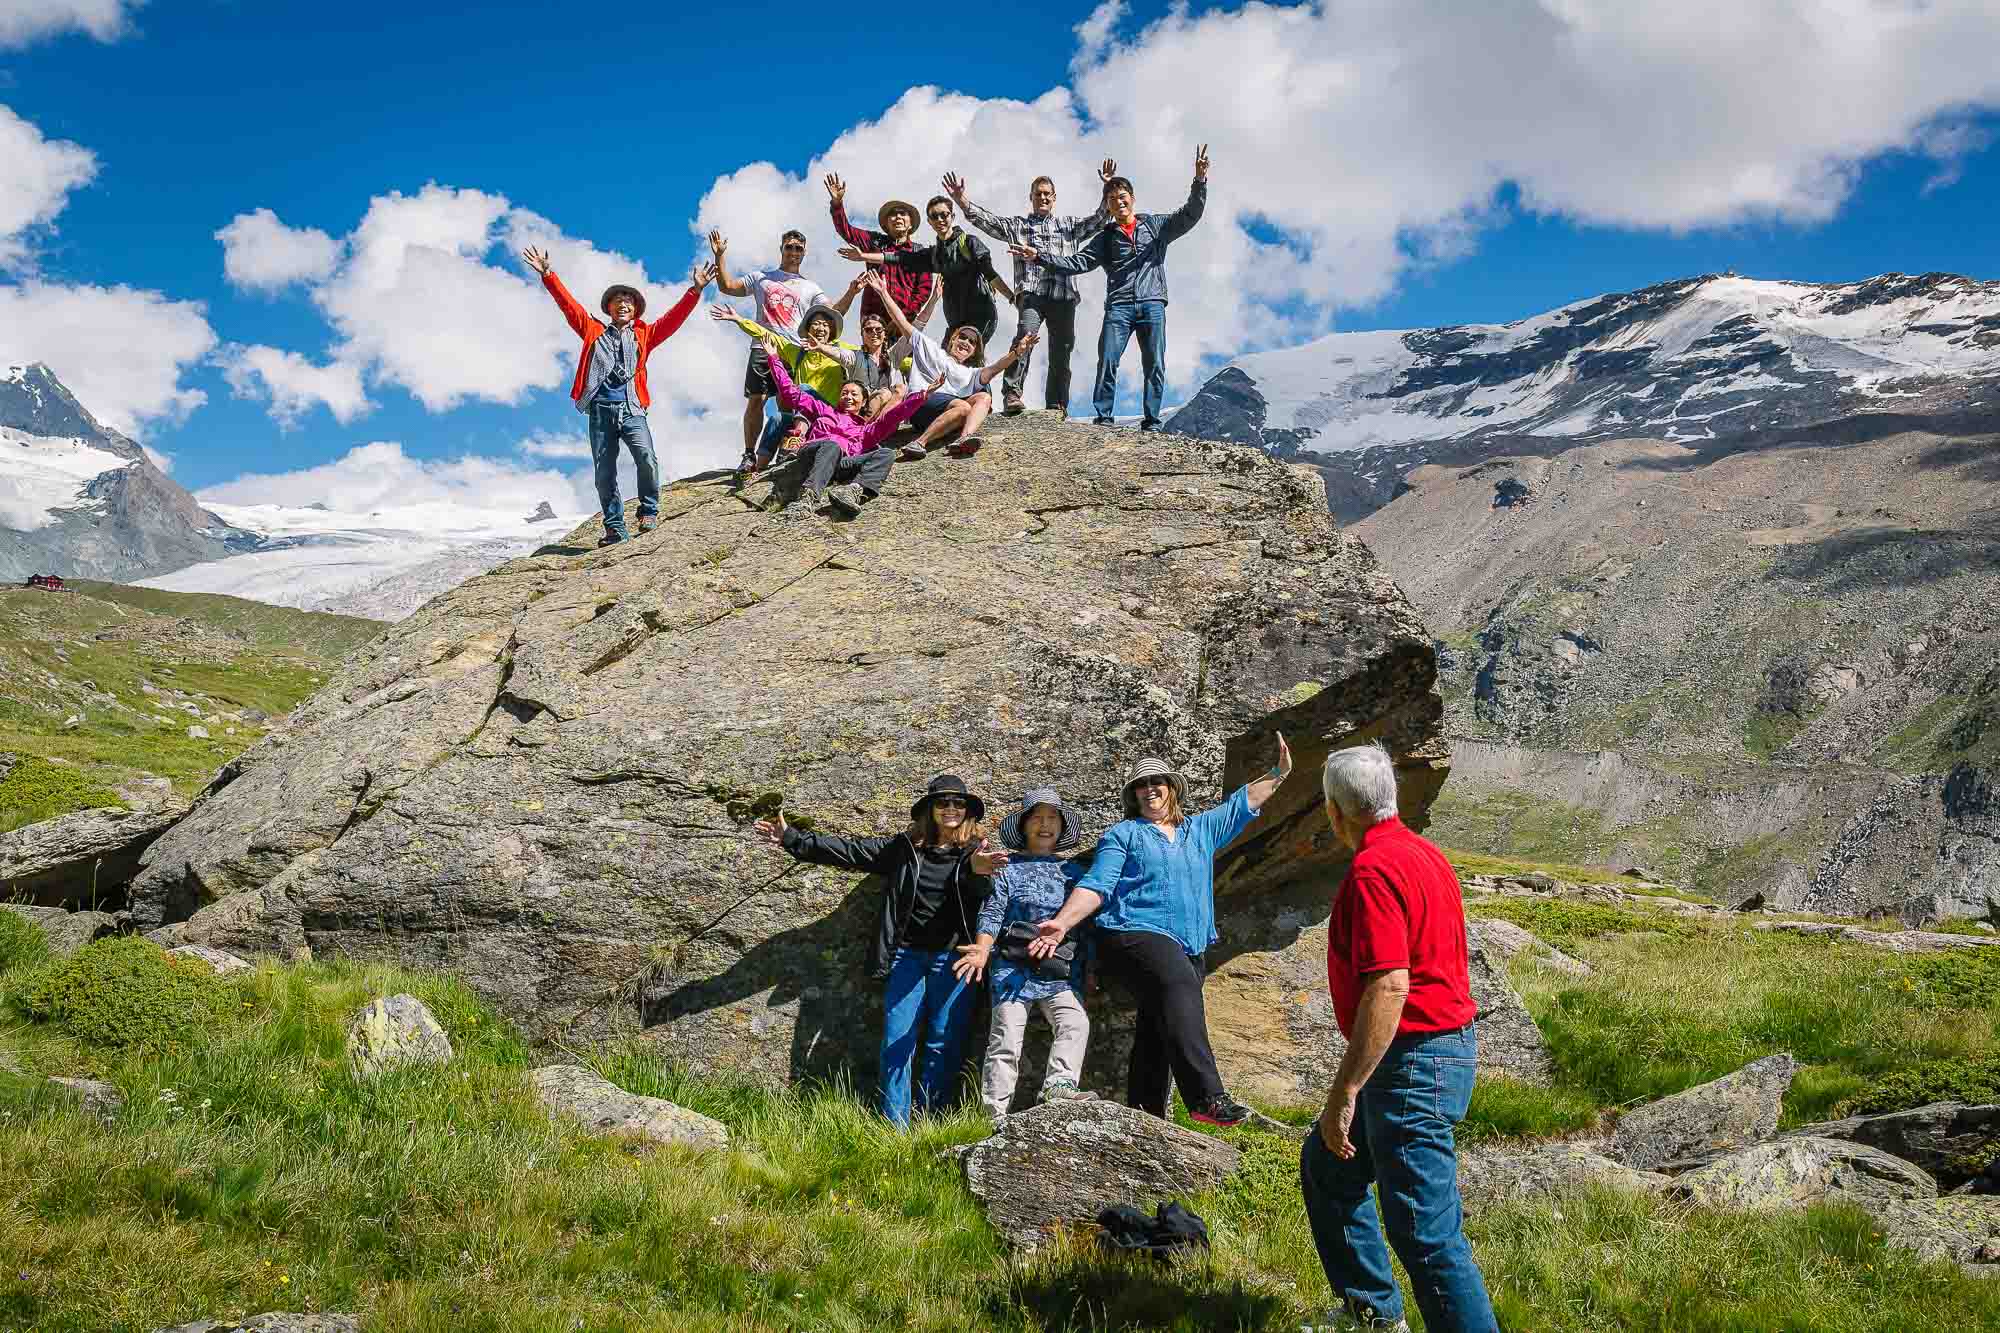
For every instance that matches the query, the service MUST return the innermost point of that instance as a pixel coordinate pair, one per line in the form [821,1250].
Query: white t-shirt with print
[783,299]
[927,359]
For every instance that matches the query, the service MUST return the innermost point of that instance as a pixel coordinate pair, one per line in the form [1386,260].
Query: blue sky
[1384,212]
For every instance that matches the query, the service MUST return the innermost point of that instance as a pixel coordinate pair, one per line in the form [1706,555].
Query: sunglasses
[794,245]
[940,216]
[949,802]
[1152,782]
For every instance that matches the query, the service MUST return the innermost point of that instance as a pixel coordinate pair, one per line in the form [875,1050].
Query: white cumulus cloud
[381,476]
[262,254]
[120,350]
[36,175]
[547,444]
[293,384]
[24,22]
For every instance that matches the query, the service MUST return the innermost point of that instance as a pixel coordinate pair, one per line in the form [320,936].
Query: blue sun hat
[1010,827]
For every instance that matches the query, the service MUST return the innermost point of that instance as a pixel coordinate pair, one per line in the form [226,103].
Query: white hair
[1360,781]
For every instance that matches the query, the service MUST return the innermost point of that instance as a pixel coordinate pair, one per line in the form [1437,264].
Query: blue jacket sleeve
[1088,256]
[1103,875]
[994,908]
[1221,825]
[1181,221]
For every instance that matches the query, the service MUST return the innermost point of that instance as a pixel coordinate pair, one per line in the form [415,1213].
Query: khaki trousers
[1066,1015]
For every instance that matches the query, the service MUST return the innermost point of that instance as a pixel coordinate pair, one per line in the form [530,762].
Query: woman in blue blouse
[1154,879]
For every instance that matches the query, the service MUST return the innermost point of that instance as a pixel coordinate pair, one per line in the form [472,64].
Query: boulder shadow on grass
[1076,1286]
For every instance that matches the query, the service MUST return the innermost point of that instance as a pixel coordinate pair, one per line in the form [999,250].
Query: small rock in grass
[274,1321]
[197,733]
[100,1098]
[225,964]
[394,1031]
[606,1108]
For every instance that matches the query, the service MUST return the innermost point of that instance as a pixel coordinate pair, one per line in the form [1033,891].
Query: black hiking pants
[1170,1044]
[825,465]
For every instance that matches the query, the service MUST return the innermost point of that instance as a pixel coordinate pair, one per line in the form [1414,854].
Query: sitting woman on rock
[934,877]
[1028,889]
[1154,878]
[956,412]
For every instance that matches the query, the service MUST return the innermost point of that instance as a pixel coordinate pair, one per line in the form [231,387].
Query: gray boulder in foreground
[1488,1176]
[274,1321]
[1947,1139]
[1734,1111]
[1963,1228]
[585,1095]
[1061,1163]
[67,858]
[397,1030]
[1505,941]
[1795,1172]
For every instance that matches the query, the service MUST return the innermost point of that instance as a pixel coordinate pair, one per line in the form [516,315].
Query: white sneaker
[913,452]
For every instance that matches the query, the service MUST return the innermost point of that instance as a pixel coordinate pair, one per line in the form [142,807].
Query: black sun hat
[948,784]
[620,289]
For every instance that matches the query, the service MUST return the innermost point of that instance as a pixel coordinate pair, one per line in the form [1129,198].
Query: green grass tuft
[35,789]
[126,993]
[21,941]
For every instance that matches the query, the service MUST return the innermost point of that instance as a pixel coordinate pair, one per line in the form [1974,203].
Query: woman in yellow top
[815,361]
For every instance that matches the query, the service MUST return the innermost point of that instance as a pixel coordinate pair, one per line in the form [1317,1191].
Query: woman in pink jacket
[842,442]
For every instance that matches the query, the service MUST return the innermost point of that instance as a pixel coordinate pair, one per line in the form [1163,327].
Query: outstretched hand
[970,965]
[717,242]
[538,260]
[836,189]
[771,348]
[853,254]
[722,312]
[954,185]
[988,858]
[1201,163]
[1284,768]
[701,275]
[1108,170]
[772,830]
[1026,342]
[1048,938]
[1027,252]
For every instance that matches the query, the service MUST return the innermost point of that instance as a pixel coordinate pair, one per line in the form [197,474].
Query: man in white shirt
[783,295]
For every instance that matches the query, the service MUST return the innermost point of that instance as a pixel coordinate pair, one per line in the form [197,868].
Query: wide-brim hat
[898,206]
[1152,767]
[620,289]
[948,784]
[820,308]
[1072,829]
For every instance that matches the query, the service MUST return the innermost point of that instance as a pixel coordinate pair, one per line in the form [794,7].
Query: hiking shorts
[757,375]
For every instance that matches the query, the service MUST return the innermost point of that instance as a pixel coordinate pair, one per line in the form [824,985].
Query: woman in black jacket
[934,880]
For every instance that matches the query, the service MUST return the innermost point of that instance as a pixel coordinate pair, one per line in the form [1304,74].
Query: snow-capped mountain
[78,498]
[1696,359]
[383,564]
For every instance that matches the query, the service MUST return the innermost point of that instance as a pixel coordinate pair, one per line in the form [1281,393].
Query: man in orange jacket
[610,386]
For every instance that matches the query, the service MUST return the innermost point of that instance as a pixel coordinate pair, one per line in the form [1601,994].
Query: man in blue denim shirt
[1402,994]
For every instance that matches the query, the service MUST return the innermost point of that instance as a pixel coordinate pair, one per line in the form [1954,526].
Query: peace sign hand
[1201,163]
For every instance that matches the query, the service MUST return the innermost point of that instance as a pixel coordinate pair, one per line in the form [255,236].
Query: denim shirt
[1031,889]
[1168,888]
[614,355]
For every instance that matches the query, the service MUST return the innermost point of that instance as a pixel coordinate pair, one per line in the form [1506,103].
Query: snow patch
[40,474]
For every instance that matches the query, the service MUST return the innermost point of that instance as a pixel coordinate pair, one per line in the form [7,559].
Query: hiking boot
[1062,1090]
[913,452]
[610,539]
[964,448]
[647,522]
[847,499]
[746,464]
[1339,1320]
[1013,406]
[822,503]
[1224,1111]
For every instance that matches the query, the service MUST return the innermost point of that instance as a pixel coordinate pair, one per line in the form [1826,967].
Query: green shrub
[1960,978]
[127,993]
[21,941]
[1932,1081]
[35,789]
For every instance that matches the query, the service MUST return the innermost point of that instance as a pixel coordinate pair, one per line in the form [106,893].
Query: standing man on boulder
[1402,994]
[610,385]
[783,296]
[1132,251]
[909,288]
[1046,296]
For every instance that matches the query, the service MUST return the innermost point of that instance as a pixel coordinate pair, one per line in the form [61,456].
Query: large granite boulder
[89,855]
[605,1108]
[1794,1172]
[1698,1124]
[1951,1140]
[1064,1162]
[544,780]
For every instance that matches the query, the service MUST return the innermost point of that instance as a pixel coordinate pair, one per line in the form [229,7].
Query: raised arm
[823,849]
[999,228]
[667,325]
[572,309]
[790,397]
[719,246]
[894,312]
[1181,221]
[836,206]
[847,297]
[1022,344]
[1263,788]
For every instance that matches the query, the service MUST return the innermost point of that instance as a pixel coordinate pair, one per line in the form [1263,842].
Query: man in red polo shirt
[1396,965]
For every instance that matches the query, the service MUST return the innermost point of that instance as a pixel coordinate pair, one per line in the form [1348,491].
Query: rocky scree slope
[1695,359]
[80,499]
[1771,659]
[544,780]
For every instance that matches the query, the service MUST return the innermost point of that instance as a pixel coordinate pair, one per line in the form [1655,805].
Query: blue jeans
[1149,320]
[1402,1137]
[923,1004]
[612,424]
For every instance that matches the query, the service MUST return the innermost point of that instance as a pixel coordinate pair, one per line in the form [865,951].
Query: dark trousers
[1170,1044]
[825,465]
[1057,322]
[613,424]
[1148,319]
